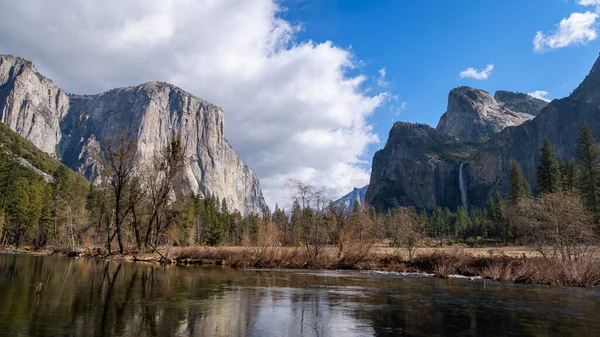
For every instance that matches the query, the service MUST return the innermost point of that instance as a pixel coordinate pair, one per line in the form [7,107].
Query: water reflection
[87,297]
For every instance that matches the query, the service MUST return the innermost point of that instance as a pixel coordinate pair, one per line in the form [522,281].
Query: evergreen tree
[463,222]
[588,158]
[494,216]
[436,225]
[548,173]
[295,222]
[518,186]
[569,175]
[280,219]
[356,206]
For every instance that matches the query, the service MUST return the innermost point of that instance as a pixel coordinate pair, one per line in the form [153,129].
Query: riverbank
[505,264]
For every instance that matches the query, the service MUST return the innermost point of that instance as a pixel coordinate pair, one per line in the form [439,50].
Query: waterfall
[464,199]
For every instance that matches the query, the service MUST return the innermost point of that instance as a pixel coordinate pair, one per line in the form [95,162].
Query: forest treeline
[137,206]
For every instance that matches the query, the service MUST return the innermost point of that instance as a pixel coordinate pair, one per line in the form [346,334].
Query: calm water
[86,297]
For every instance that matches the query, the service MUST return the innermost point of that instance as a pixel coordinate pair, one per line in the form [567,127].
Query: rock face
[74,127]
[349,199]
[30,104]
[420,166]
[517,101]
[560,121]
[473,114]
[417,167]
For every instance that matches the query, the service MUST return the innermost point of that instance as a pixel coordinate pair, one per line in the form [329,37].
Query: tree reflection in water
[87,297]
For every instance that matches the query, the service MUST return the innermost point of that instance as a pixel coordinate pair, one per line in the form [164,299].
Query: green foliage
[569,175]
[32,209]
[518,187]
[548,173]
[24,148]
[588,159]
[457,153]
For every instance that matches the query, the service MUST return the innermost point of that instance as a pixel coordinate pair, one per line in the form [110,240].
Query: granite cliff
[560,121]
[418,167]
[73,129]
[473,114]
[423,167]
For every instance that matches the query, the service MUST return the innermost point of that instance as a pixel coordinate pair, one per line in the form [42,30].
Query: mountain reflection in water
[87,297]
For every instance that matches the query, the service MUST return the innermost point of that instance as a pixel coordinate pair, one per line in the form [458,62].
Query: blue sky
[293,108]
[424,45]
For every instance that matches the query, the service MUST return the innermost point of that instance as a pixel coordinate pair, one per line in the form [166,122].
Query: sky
[310,88]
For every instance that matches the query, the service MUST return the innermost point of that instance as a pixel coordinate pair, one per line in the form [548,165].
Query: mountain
[73,128]
[418,167]
[32,158]
[424,167]
[518,101]
[472,114]
[348,200]
[560,121]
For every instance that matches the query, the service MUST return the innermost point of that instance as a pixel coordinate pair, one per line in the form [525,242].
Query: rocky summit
[347,201]
[473,114]
[73,128]
[445,167]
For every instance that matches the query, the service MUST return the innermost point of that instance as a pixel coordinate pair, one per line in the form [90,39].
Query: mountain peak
[589,90]
[473,113]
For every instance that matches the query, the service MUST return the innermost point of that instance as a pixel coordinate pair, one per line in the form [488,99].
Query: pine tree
[518,186]
[569,175]
[463,222]
[356,206]
[548,173]
[588,158]
[295,222]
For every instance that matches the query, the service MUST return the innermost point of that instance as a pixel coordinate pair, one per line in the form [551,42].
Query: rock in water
[74,127]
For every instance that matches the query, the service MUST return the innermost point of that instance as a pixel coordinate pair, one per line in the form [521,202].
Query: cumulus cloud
[577,29]
[291,108]
[540,94]
[477,75]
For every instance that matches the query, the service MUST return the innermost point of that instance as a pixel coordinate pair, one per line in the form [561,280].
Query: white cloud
[577,29]
[381,79]
[540,94]
[477,75]
[588,2]
[291,108]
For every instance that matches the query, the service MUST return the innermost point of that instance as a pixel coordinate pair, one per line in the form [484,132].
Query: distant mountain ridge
[349,199]
[73,128]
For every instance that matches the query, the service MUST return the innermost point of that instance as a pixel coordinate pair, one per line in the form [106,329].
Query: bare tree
[121,162]
[311,218]
[555,224]
[405,228]
[353,234]
[162,180]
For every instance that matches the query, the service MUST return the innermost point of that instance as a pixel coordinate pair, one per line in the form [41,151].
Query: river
[89,297]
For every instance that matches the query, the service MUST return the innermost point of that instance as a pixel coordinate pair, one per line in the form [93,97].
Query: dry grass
[511,264]
[506,264]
